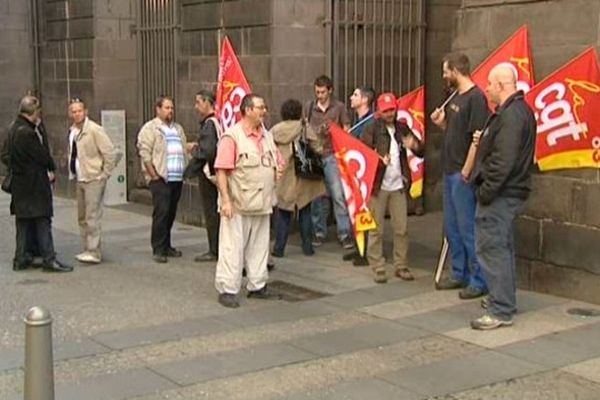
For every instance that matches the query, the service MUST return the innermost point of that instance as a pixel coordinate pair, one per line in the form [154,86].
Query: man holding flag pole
[390,138]
[462,115]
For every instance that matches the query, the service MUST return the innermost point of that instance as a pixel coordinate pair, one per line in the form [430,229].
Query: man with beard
[464,114]
[390,138]
[162,147]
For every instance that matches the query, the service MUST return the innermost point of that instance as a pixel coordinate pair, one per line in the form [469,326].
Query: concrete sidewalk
[132,329]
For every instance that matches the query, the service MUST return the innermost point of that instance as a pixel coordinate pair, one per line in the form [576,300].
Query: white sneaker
[88,258]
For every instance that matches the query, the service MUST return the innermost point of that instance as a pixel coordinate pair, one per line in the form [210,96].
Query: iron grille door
[378,43]
[157,37]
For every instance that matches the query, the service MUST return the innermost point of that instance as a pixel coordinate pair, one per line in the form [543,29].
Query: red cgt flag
[515,51]
[566,106]
[357,164]
[232,86]
[411,109]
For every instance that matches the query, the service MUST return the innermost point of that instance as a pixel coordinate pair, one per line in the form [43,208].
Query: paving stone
[417,304]
[553,385]
[358,390]
[454,375]
[231,363]
[548,351]
[14,358]
[589,369]
[587,336]
[531,301]
[279,312]
[444,320]
[354,299]
[527,326]
[374,334]
[161,333]
[116,386]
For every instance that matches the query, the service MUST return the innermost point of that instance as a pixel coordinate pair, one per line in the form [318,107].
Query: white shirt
[392,179]
[73,133]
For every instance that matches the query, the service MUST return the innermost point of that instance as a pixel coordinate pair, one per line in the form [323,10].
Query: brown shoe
[405,274]
[380,276]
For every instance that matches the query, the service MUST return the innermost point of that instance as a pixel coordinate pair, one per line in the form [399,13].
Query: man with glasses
[163,148]
[92,158]
[247,165]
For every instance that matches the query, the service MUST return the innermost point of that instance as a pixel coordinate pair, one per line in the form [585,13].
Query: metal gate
[378,43]
[157,31]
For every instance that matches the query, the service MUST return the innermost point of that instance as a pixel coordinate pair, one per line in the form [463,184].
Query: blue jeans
[283,219]
[320,208]
[459,227]
[494,231]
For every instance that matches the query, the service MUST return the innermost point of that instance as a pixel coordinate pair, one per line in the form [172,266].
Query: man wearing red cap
[390,138]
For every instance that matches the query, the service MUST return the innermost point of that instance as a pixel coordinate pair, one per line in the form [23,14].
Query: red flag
[515,51]
[357,163]
[232,86]
[566,106]
[411,109]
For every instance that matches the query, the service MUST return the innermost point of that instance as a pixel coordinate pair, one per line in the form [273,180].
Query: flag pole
[361,122]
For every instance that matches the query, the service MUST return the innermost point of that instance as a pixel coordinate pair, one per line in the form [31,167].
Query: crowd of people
[250,185]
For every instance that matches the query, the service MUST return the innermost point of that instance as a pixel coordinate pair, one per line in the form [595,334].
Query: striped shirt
[175,155]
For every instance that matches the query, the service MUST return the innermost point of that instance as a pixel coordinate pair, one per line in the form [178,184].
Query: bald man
[502,180]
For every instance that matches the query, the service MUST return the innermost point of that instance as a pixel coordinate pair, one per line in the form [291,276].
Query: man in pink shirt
[247,166]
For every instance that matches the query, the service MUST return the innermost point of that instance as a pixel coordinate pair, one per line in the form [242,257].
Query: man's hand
[438,117]
[386,160]
[51,177]
[227,208]
[191,146]
[409,142]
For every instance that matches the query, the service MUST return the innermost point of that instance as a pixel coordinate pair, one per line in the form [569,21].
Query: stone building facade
[90,49]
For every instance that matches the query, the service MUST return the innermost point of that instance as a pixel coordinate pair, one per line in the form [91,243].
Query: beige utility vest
[252,182]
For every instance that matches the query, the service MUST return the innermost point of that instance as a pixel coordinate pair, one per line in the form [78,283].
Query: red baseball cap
[386,101]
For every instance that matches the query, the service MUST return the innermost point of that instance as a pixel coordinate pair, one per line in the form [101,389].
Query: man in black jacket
[203,162]
[32,168]
[502,179]
[390,139]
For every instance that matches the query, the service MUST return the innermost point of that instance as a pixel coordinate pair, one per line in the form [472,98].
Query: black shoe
[350,256]
[449,284]
[173,252]
[471,292]
[263,294]
[160,258]
[205,257]
[360,261]
[278,254]
[348,243]
[228,300]
[57,266]
[270,266]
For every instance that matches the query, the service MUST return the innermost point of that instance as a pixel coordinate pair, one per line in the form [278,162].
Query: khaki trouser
[243,242]
[396,201]
[90,196]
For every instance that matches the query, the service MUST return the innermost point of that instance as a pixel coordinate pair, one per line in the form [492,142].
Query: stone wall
[16,67]
[559,230]
[281,47]
[440,30]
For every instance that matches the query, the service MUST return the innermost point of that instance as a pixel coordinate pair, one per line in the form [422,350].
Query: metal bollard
[39,365]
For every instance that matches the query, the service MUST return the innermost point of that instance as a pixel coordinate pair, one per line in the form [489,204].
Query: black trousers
[212,220]
[165,197]
[34,237]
